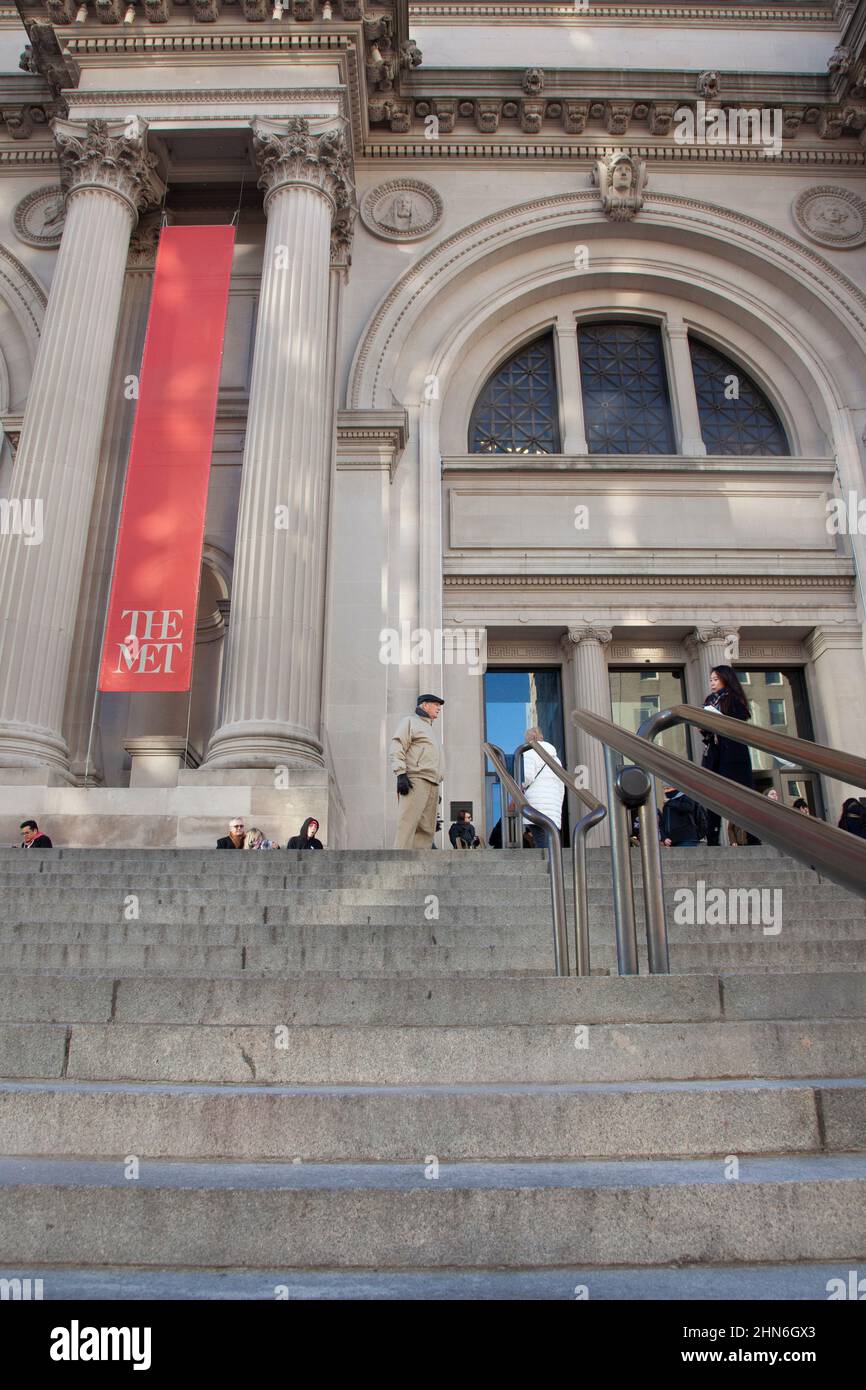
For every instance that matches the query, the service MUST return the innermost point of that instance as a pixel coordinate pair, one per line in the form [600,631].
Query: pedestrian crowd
[417,765]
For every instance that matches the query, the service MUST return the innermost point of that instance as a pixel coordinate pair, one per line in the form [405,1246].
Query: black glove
[404,786]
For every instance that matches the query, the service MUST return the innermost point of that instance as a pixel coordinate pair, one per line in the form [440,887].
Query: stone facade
[498,203]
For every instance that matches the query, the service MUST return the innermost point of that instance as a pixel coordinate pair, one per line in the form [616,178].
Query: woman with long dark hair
[726,756]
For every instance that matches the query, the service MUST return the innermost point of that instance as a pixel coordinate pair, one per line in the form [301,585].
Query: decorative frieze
[786,653]
[109,11]
[709,85]
[22,121]
[522,651]
[842,583]
[669,652]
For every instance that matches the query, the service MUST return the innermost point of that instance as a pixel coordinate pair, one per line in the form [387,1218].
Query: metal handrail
[836,853]
[554,850]
[815,757]
[595,813]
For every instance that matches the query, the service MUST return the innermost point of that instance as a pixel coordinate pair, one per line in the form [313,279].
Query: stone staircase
[352,1075]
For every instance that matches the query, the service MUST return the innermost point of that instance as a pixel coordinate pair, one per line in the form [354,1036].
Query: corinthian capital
[110,155]
[288,152]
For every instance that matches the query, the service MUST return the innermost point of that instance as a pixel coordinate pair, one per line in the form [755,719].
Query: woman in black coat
[726,756]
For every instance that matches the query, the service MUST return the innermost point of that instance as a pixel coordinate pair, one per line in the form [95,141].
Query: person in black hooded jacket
[306,836]
[853,817]
[726,756]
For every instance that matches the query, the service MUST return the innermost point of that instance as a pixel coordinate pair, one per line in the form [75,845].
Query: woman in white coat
[544,791]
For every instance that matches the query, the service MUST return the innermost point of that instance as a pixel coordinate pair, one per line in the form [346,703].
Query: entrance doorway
[516,699]
[778,700]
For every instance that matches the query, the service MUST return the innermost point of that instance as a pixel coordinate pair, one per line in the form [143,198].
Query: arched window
[517,411]
[626,406]
[736,417]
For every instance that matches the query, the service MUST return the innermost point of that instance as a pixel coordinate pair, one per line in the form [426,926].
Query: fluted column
[272,690]
[85,756]
[709,647]
[108,177]
[591,693]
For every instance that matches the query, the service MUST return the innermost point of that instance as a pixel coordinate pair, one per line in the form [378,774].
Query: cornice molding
[371,440]
[86,42]
[203,96]
[729,157]
[632,580]
[713,464]
[600,13]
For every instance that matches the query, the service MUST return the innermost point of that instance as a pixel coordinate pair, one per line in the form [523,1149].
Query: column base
[264,745]
[36,752]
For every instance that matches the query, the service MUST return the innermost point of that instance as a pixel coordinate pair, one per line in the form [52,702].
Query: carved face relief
[401,210]
[621,180]
[38,219]
[831,216]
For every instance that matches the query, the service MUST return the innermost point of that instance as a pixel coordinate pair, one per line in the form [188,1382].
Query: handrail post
[595,812]
[658,955]
[581,901]
[557,903]
[513,789]
[620,860]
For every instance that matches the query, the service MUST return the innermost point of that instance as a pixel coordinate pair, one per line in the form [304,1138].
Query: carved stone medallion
[401,210]
[831,216]
[38,218]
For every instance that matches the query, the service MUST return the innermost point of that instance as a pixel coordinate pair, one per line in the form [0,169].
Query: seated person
[306,836]
[462,833]
[256,840]
[31,838]
[235,838]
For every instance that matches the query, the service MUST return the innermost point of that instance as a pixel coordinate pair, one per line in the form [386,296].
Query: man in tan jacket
[416,760]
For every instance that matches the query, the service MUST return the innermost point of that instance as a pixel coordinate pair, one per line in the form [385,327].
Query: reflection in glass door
[638,692]
[514,701]
[777,700]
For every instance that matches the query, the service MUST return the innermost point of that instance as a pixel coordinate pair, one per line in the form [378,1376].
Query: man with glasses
[235,837]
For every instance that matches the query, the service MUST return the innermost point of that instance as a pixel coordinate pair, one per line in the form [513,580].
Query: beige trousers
[416,824]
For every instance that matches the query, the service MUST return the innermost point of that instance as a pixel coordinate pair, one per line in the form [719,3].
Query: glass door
[516,699]
[778,700]
[638,692]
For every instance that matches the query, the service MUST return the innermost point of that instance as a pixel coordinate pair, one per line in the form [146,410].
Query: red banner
[150,633]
